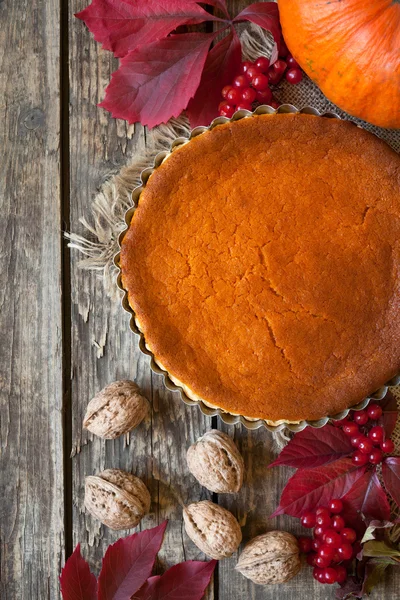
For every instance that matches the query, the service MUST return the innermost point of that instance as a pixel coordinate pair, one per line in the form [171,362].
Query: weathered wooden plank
[101,347]
[253,507]
[31,482]
[156,451]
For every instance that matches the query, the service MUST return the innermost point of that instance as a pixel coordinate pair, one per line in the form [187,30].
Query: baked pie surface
[262,265]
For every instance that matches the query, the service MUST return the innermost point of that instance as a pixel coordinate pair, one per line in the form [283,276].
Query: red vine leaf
[221,4]
[391,476]
[351,588]
[123,25]
[76,580]
[315,447]
[220,68]
[147,591]
[390,414]
[128,563]
[264,14]
[186,580]
[366,497]
[307,489]
[162,71]
[156,82]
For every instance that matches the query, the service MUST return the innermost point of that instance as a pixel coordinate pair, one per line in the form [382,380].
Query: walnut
[117,409]
[118,499]
[216,463]
[213,529]
[270,558]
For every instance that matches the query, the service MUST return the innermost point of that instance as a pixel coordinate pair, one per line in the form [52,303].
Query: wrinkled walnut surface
[216,463]
[116,498]
[213,529]
[115,410]
[270,558]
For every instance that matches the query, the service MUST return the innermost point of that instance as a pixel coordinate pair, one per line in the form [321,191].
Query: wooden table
[62,339]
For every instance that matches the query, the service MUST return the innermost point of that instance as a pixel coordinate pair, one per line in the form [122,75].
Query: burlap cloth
[306,93]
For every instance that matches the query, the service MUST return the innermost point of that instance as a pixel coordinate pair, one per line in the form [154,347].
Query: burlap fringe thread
[99,244]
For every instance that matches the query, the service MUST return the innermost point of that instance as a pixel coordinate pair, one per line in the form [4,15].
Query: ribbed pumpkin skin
[351,50]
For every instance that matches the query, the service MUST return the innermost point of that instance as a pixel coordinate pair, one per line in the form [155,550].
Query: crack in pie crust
[262,264]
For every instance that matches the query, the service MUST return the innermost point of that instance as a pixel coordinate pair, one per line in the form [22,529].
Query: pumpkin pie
[263,266]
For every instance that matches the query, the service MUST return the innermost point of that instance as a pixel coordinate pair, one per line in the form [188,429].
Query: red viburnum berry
[374,411]
[387,446]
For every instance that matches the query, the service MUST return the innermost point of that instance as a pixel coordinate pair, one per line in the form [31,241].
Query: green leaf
[370,532]
[374,574]
[379,549]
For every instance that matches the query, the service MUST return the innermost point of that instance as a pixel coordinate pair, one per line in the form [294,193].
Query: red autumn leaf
[146,592]
[156,82]
[307,489]
[391,477]
[264,14]
[188,580]
[366,497]
[123,25]
[160,72]
[128,563]
[351,588]
[315,447]
[221,4]
[76,580]
[390,414]
[220,69]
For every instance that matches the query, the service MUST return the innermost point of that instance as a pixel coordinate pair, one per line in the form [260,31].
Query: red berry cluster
[332,544]
[252,84]
[366,436]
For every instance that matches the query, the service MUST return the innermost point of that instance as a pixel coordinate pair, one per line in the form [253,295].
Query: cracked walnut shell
[115,410]
[216,463]
[213,529]
[116,498]
[270,558]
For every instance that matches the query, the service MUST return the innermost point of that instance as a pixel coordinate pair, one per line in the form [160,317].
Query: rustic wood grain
[103,347]
[31,443]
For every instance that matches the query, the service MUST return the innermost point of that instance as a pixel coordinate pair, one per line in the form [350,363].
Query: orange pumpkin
[351,50]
